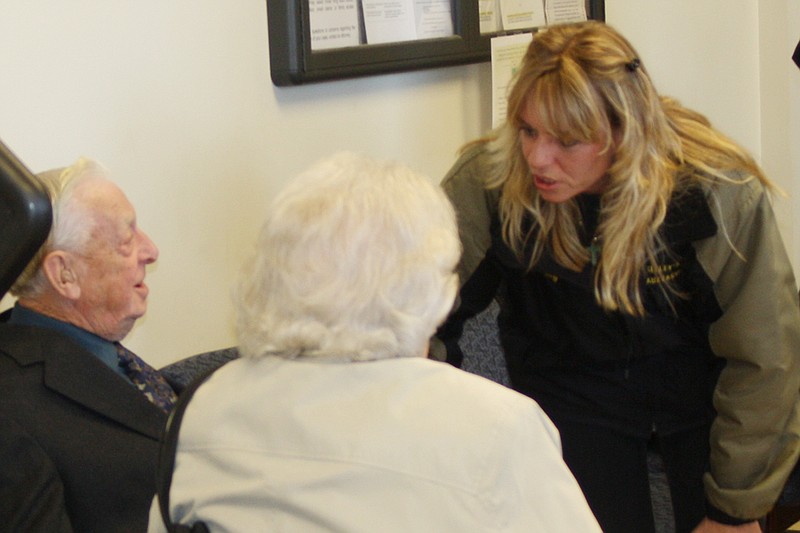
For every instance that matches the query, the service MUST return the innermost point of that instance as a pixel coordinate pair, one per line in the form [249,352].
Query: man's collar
[98,346]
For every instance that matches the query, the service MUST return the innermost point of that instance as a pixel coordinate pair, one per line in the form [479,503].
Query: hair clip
[633,64]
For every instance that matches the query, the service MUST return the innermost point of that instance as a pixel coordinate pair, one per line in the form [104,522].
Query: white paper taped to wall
[507,54]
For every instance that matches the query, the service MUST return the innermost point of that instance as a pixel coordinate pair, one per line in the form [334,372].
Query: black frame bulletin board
[293,60]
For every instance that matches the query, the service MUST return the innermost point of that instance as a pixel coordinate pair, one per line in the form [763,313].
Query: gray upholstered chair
[180,373]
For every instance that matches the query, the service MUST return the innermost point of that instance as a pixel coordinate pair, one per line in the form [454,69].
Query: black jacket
[606,368]
[78,444]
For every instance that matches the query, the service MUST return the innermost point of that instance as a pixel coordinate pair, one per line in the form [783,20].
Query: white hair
[72,226]
[356,260]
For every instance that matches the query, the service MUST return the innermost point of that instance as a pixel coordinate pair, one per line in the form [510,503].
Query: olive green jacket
[755,437]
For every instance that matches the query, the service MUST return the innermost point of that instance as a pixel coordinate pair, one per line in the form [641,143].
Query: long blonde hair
[589,84]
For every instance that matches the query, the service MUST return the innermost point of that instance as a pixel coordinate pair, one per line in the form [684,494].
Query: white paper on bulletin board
[434,18]
[489,16]
[563,11]
[507,54]
[391,21]
[333,23]
[521,14]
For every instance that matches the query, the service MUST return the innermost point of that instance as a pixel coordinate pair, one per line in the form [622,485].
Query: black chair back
[25,217]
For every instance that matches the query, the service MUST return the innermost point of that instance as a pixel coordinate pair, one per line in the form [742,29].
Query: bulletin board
[318,40]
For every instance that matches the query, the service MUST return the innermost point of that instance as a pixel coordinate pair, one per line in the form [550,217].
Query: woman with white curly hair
[334,419]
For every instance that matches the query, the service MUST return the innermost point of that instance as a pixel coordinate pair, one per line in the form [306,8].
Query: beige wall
[176,99]
[779,30]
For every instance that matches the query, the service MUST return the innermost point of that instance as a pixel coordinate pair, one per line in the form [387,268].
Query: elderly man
[80,416]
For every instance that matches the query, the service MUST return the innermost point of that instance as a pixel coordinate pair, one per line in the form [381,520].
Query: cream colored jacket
[399,445]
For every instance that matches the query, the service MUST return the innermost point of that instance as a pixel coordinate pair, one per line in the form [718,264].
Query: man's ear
[59,267]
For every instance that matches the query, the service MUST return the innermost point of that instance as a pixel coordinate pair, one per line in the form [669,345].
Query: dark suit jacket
[78,444]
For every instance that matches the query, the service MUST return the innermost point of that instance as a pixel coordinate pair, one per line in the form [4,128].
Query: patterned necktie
[146,378]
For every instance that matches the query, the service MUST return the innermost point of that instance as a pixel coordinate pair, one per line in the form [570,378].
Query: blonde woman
[646,297]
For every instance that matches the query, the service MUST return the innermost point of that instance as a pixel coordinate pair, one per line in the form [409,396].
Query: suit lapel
[78,375]
[98,388]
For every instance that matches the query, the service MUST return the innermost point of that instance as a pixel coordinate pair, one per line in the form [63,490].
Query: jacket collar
[688,217]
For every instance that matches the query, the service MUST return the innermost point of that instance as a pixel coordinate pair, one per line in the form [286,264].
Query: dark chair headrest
[25,217]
